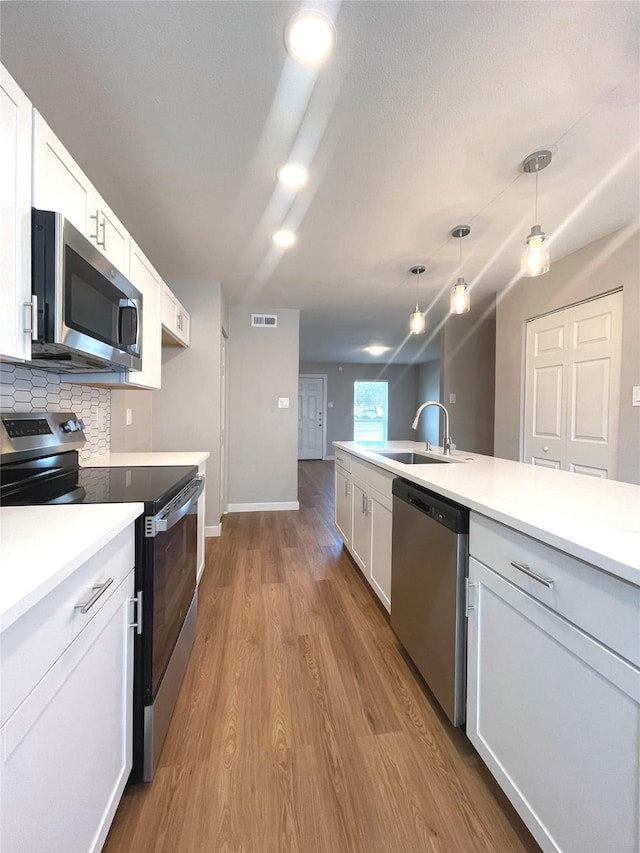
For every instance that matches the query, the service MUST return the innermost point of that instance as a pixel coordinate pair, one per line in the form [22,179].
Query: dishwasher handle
[419,504]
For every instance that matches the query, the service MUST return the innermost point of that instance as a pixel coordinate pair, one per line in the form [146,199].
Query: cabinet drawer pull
[98,591]
[523,567]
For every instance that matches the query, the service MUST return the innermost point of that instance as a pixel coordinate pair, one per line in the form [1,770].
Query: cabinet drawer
[374,477]
[604,606]
[343,460]
[32,645]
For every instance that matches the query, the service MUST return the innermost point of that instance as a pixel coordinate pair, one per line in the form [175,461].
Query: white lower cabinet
[380,562]
[363,518]
[343,505]
[554,714]
[67,749]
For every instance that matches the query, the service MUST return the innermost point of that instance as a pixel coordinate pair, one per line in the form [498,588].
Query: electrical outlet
[452,398]
[283,402]
[330,405]
[101,418]
[128,417]
[635,400]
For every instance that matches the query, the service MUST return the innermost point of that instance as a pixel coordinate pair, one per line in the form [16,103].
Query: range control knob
[72,425]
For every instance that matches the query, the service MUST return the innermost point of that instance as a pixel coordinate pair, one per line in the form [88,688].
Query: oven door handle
[175,509]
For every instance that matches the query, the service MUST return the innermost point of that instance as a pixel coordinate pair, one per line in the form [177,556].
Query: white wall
[186,410]
[606,264]
[263,439]
[137,435]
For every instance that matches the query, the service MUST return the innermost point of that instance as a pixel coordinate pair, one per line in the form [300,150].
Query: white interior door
[572,388]
[310,417]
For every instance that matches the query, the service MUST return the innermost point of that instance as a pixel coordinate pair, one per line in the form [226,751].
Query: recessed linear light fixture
[310,37]
[292,176]
[377,349]
[460,295]
[417,322]
[534,258]
[284,238]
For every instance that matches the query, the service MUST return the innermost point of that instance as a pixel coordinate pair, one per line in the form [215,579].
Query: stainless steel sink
[411,458]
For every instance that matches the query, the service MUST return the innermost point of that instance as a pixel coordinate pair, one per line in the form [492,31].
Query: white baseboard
[266,507]
[213,530]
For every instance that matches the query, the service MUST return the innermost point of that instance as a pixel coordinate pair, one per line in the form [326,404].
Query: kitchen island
[553,627]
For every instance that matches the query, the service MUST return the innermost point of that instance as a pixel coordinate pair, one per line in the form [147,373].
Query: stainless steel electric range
[39,465]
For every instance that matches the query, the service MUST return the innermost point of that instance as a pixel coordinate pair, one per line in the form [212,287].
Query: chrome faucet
[447,443]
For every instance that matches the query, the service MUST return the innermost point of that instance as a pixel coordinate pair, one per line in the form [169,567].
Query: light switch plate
[452,398]
[635,401]
[330,405]
[128,417]
[283,402]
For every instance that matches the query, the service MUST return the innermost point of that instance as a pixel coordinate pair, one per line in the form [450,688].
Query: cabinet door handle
[369,506]
[523,567]
[138,603]
[364,504]
[98,591]
[95,216]
[179,321]
[104,233]
[31,318]
[347,488]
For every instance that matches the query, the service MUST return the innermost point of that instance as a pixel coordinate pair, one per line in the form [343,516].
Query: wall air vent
[264,320]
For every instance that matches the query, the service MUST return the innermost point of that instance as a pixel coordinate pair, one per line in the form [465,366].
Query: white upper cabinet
[15,242]
[146,279]
[108,233]
[176,322]
[60,184]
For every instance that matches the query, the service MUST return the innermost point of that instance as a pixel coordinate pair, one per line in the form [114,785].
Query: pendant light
[417,322]
[534,259]
[460,294]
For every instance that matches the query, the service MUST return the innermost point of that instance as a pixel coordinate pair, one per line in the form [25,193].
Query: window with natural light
[370,411]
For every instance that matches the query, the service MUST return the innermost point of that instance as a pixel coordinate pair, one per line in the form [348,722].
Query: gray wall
[136,436]
[263,439]
[467,369]
[606,264]
[186,411]
[429,389]
[403,396]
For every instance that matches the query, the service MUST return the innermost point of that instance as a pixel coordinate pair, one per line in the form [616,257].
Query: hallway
[300,725]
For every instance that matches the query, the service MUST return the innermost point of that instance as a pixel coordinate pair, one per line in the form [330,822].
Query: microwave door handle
[131,340]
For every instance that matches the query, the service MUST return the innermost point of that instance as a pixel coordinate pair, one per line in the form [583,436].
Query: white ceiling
[180,112]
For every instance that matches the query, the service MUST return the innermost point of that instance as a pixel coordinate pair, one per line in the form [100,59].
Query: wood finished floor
[300,725]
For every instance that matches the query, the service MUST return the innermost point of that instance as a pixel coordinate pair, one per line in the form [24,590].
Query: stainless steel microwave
[89,316]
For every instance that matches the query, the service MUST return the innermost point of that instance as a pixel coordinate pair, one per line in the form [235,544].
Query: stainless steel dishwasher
[429,567]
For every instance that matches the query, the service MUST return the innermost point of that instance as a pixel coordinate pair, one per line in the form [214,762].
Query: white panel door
[595,335]
[310,397]
[546,392]
[572,388]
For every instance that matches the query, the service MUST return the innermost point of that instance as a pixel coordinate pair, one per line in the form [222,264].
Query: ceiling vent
[264,321]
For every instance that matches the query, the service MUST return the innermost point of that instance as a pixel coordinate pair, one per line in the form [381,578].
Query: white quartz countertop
[40,546]
[596,520]
[122,460]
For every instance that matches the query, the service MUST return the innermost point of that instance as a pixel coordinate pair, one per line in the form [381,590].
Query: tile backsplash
[28,389]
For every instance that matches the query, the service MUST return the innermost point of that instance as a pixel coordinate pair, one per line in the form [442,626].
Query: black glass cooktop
[62,484]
